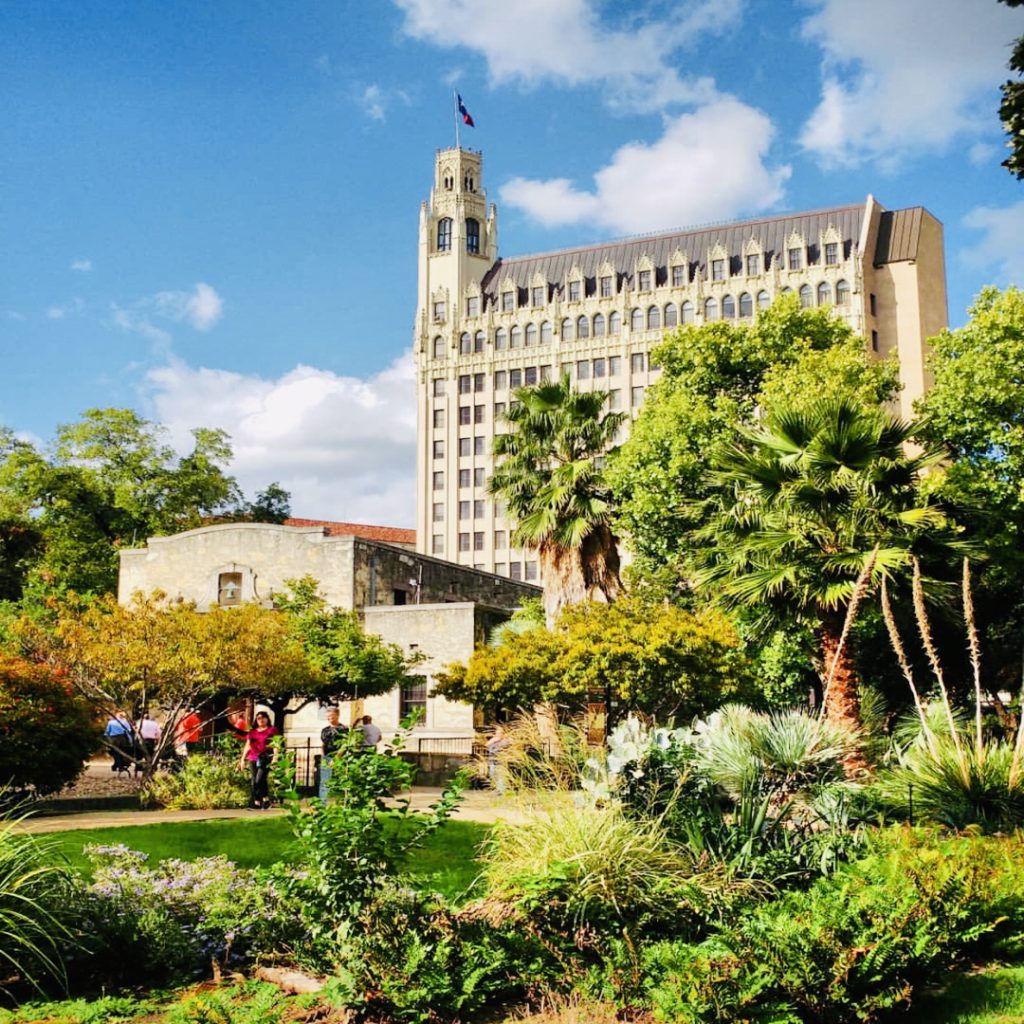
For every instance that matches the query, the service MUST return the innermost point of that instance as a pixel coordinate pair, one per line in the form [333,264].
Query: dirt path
[481,806]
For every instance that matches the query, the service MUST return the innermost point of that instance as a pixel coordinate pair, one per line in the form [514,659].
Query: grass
[992,996]
[447,862]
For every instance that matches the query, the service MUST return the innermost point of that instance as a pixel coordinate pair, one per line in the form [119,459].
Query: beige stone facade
[427,606]
[485,325]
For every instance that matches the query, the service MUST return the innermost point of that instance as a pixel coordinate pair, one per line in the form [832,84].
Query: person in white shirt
[149,733]
[371,734]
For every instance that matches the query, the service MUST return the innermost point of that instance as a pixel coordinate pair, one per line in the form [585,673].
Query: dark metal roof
[899,232]
[772,233]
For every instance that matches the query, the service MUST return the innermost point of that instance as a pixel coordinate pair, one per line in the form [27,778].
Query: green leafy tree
[809,508]
[549,474]
[657,659]
[1011,110]
[714,379]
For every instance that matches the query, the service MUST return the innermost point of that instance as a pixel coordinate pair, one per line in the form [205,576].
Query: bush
[166,924]
[202,782]
[46,732]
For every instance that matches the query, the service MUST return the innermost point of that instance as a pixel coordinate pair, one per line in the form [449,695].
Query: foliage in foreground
[202,782]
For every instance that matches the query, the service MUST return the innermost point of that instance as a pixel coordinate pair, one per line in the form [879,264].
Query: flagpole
[455,102]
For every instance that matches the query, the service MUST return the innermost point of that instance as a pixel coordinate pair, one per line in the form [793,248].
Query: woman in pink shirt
[259,755]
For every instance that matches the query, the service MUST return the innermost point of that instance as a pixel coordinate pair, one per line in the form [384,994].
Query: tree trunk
[587,573]
[842,702]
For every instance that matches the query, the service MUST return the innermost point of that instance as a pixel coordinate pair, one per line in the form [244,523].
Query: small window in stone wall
[229,588]
[414,699]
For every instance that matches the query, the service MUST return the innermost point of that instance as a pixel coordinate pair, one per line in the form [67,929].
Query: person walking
[495,769]
[258,754]
[118,734]
[371,734]
[149,732]
[330,737]
[190,733]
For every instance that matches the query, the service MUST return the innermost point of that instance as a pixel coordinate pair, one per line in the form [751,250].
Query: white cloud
[565,42]
[136,321]
[899,78]
[60,312]
[373,103]
[201,308]
[83,265]
[1000,248]
[708,165]
[343,446]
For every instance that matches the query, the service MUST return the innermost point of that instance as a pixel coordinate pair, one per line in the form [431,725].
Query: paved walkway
[477,805]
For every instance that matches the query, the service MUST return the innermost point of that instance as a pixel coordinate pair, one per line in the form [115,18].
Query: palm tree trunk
[587,573]
[842,702]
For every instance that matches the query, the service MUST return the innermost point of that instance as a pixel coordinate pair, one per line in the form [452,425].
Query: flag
[466,119]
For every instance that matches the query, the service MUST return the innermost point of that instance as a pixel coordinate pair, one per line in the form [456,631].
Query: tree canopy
[1011,110]
[714,379]
[657,659]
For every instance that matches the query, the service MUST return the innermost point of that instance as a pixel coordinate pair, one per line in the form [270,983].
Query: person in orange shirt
[190,732]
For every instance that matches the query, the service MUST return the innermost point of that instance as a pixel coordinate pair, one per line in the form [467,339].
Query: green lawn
[447,862]
[993,996]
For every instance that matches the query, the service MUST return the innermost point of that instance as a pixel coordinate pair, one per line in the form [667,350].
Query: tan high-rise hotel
[486,325]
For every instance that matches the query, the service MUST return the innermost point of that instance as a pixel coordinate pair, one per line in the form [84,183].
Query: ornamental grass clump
[203,782]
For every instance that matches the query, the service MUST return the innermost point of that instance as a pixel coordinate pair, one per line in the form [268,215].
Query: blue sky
[209,211]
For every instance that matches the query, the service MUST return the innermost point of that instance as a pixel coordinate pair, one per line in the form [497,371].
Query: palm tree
[820,503]
[550,476]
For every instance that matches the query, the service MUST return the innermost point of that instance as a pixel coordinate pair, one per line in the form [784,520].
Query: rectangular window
[479,477]
[499,540]
[718,270]
[463,447]
[439,449]
[439,417]
[531,571]
[463,541]
[644,280]
[439,481]
[874,341]
[478,414]
[545,372]
[515,570]
[796,260]
[615,398]
[414,700]
[574,291]
[478,508]
[831,254]
[439,312]
[599,367]
[464,415]
[753,264]
[478,446]
[465,384]
[438,511]
[678,276]
[606,287]
[479,381]
[614,366]
[567,368]
[463,477]
[438,387]
[500,569]
[500,380]
[463,510]
[636,396]
[537,295]
[636,362]
[873,303]
[499,410]
[583,369]
[478,541]
[508,301]
[437,544]
[530,376]
[515,378]
[473,305]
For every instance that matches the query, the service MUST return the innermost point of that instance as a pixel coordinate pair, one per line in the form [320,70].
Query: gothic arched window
[842,293]
[824,294]
[545,333]
[582,327]
[746,305]
[444,234]
[806,296]
[636,320]
[478,341]
[599,325]
[728,308]
[516,338]
[472,234]
[711,310]
[764,300]
[615,323]
[465,344]
[671,315]
[439,347]
[500,338]
[686,312]
[653,318]
[531,335]
[566,329]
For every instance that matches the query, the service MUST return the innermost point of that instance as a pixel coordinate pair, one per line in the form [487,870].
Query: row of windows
[652,318]
[528,571]
[722,268]
[467,446]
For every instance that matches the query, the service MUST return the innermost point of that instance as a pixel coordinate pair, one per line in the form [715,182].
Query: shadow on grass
[992,996]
